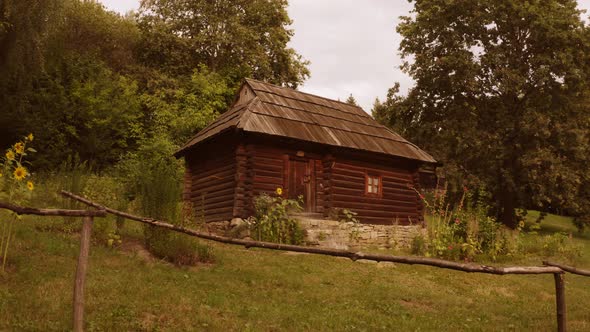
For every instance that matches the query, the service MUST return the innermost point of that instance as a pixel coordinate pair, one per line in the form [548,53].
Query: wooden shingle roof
[289,113]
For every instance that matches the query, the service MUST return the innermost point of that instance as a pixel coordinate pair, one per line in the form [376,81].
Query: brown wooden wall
[397,202]
[223,178]
[210,181]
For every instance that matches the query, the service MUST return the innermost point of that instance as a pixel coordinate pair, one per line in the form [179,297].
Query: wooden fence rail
[548,268]
[82,267]
[569,269]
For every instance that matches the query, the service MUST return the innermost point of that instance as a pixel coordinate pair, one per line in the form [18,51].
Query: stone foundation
[334,234]
[348,235]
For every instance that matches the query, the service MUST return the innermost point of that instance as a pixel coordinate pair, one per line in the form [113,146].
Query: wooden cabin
[332,153]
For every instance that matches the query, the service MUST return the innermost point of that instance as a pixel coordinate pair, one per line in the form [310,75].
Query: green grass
[263,290]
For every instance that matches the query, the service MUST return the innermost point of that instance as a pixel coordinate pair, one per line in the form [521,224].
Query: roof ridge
[364,115]
[306,93]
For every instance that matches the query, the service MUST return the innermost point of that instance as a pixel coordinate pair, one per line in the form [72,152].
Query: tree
[234,38]
[497,95]
[351,100]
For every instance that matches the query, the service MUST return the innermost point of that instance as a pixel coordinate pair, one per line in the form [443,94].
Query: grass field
[263,290]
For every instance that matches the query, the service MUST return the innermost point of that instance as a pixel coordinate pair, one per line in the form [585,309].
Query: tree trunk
[507,212]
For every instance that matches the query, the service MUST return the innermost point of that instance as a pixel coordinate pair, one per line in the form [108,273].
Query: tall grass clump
[463,231]
[72,176]
[466,231]
[155,177]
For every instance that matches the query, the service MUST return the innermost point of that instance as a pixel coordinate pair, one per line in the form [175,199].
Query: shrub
[462,232]
[154,178]
[272,222]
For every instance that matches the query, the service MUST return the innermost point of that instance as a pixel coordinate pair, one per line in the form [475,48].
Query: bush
[154,176]
[464,232]
[272,222]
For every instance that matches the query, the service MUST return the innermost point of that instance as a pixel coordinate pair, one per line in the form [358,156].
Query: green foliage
[154,176]
[500,97]
[558,244]
[464,232]
[15,187]
[180,109]
[346,215]
[272,222]
[581,222]
[98,84]
[351,100]
[467,232]
[235,39]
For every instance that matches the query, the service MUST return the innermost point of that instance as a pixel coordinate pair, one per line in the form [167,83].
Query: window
[373,185]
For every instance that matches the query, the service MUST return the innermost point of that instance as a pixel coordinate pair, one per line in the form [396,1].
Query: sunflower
[19,148]
[20,173]
[10,155]
[30,137]
[30,185]
[279,191]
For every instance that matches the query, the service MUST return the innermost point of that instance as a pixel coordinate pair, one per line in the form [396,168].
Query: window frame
[379,185]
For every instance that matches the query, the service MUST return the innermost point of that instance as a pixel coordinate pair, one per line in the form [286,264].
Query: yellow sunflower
[30,137]
[30,185]
[279,191]
[10,155]
[20,173]
[19,148]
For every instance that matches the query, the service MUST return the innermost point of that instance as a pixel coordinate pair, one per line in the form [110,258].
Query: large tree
[234,38]
[498,95]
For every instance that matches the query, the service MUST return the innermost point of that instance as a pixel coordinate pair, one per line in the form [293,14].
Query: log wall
[224,177]
[397,203]
[210,182]
[268,168]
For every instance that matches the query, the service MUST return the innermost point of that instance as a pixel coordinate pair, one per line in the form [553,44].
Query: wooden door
[302,182]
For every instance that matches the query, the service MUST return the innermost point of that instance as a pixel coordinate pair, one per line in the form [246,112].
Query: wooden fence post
[81,274]
[560,301]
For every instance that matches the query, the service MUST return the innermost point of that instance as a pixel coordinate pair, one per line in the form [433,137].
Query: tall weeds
[154,176]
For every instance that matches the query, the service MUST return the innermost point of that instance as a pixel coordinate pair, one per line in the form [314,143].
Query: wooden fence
[556,269]
[82,267]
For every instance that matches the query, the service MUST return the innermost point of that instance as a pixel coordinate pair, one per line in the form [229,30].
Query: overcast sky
[352,45]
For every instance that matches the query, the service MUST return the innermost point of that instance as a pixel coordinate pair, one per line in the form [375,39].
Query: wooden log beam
[568,268]
[465,267]
[51,212]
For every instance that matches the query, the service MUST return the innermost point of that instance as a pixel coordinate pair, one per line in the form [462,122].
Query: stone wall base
[348,235]
[334,234]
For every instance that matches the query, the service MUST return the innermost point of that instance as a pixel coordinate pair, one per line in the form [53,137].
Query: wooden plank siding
[395,204]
